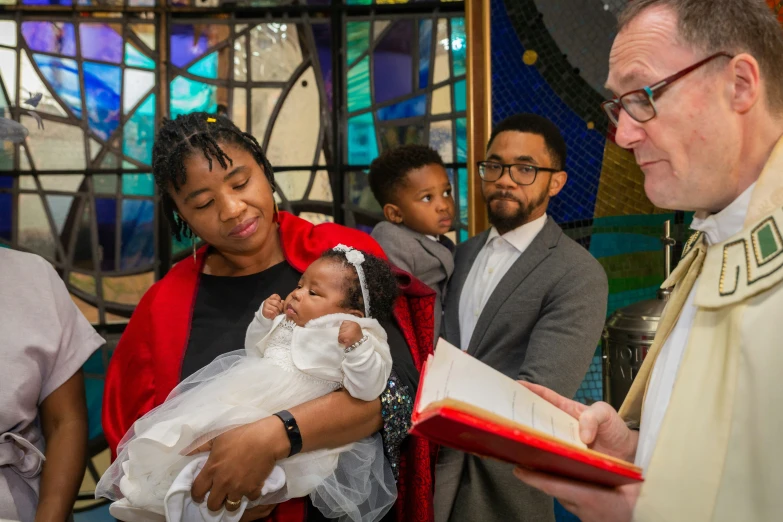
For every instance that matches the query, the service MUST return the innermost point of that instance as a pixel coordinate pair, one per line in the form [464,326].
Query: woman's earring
[193,242]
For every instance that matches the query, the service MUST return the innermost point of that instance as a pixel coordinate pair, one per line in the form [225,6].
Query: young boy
[413,188]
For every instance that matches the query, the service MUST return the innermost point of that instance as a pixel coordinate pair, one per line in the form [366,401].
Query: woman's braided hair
[187,134]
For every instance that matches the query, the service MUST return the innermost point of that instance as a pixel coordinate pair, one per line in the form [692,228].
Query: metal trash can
[628,335]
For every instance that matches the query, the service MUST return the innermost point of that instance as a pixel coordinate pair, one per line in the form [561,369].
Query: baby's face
[321,291]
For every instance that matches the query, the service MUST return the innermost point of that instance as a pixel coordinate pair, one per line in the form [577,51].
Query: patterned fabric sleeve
[396,410]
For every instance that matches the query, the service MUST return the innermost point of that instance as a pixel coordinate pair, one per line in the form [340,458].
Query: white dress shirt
[493,261]
[716,228]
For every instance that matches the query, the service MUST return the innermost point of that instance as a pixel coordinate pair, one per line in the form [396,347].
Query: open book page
[453,374]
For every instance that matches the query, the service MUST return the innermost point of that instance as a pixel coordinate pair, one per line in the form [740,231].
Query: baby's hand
[272,307]
[350,332]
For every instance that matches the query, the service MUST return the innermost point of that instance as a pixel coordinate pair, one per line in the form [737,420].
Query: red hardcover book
[464,404]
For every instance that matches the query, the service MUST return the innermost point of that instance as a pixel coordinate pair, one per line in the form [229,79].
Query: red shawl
[147,363]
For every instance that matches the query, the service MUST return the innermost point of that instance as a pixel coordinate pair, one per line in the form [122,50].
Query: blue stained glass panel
[63,75]
[362,145]
[135,58]
[6,182]
[459,43]
[411,108]
[185,46]
[359,86]
[425,48]
[393,62]
[106,214]
[140,132]
[6,206]
[460,96]
[102,94]
[138,185]
[191,96]
[206,67]
[138,234]
[48,37]
[101,42]
[462,139]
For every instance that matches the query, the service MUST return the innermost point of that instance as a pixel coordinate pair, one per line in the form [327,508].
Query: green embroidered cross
[766,241]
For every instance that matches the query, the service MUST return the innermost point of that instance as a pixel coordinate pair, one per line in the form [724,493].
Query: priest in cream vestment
[704,417]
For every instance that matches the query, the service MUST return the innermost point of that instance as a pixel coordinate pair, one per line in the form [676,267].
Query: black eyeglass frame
[480,165]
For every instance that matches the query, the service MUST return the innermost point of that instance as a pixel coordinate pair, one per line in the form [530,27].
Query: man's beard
[507,222]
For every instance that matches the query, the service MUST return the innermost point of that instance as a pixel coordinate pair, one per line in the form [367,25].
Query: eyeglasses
[640,104]
[521,173]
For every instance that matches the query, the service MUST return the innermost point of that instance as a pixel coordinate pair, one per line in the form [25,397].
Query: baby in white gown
[323,337]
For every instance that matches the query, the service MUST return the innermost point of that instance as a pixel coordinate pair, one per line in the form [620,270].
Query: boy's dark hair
[535,124]
[196,133]
[388,171]
[381,285]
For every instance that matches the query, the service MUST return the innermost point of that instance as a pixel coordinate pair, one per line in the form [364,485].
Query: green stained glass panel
[458,45]
[140,132]
[134,58]
[138,185]
[192,96]
[462,139]
[359,86]
[460,96]
[206,67]
[358,36]
[362,145]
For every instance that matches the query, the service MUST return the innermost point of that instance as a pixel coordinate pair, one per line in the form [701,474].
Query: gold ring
[233,505]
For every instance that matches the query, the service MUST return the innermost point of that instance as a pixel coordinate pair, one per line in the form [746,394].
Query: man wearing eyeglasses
[700,103]
[525,299]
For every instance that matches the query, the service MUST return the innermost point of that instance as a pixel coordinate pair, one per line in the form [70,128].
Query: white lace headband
[356,258]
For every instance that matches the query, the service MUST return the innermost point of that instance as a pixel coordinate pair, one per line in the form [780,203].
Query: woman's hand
[272,307]
[350,332]
[239,462]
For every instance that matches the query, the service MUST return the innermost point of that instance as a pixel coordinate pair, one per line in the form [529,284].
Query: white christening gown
[290,365]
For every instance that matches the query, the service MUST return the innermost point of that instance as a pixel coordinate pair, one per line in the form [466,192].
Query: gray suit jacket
[541,324]
[427,260]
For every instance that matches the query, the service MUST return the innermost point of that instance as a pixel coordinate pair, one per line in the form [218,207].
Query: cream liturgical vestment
[718,456]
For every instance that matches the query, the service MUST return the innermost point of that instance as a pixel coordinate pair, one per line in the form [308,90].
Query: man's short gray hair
[734,26]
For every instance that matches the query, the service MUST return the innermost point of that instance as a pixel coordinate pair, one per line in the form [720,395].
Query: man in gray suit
[525,299]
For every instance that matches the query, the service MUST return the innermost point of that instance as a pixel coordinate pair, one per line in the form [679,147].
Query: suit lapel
[439,252]
[538,250]
[466,256]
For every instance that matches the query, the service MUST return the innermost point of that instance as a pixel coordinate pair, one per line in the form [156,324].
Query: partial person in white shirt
[524,299]
[700,102]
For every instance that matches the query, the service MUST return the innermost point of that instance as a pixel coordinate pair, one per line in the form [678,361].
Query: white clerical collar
[521,237]
[729,221]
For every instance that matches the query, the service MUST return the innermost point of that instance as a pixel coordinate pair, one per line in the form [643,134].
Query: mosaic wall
[324,89]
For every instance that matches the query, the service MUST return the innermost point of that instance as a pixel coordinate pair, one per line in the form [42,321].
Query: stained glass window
[323,85]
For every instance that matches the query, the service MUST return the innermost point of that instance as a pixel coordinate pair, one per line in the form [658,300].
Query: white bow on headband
[356,258]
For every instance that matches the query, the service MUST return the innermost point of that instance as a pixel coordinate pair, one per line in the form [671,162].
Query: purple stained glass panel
[49,37]
[102,92]
[106,214]
[47,2]
[101,42]
[393,62]
[410,108]
[6,207]
[186,45]
[322,34]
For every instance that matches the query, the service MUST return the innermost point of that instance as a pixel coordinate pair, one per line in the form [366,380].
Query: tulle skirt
[353,482]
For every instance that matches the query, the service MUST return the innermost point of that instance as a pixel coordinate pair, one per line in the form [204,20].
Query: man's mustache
[503,195]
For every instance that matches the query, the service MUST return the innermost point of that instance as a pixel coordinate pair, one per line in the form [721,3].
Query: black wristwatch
[292,430]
